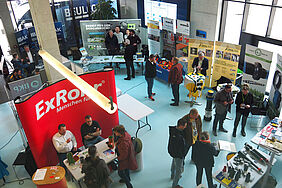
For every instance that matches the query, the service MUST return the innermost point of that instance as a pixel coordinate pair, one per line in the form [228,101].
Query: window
[258,19]
[266,2]
[277,26]
[233,22]
[279,3]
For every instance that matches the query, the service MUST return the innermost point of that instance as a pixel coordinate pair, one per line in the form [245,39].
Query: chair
[259,109]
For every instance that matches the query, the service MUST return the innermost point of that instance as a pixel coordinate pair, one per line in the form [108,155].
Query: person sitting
[64,142]
[204,152]
[126,155]
[16,75]
[97,173]
[90,132]
[201,64]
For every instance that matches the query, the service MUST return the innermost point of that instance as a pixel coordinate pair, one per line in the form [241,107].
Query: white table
[135,110]
[261,139]
[75,169]
[255,176]
[99,59]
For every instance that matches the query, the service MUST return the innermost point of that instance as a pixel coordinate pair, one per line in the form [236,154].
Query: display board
[256,68]
[169,28]
[24,86]
[93,33]
[60,103]
[22,38]
[276,89]
[195,46]
[155,10]
[154,37]
[182,38]
[226,62]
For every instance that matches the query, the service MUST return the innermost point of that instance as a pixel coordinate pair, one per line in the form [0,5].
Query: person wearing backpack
[97,173]
[126,155]
[177,148]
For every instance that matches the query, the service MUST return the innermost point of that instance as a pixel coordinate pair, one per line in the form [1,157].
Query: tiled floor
[156,160]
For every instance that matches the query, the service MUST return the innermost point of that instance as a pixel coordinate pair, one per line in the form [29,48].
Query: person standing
[127,33]
[64,142]
[126,155]
[119,36]
[204,158]
[97,173]
[244,101]
[193,129]
[111,42]
[201,64]
[90,132]
[175,78]
[29,57]
[134,40]
[150,74]
[223,101]
[177,149]
[17,63]
[128,57]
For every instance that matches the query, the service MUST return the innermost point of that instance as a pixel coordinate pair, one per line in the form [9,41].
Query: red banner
[63,103]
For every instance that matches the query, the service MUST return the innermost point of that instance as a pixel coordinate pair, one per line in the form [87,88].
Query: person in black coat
[201,64]
[128,57]
[204,158]
[150,74]
[177,148]
[29,59]
[111,43]
[244,102]
[134,40]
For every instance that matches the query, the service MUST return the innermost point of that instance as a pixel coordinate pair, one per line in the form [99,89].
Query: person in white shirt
[127,33]
[64,142]
[119,35]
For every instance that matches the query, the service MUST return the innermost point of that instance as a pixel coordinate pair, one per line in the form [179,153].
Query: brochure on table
[256,68]
[226,61]
[154,37]
[276,89]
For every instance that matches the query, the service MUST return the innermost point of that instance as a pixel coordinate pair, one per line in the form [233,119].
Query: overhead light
[87,89]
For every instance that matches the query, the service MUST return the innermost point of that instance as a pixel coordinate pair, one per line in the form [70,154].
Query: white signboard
[154,37]
[183,27]
[169,25]
[256,69]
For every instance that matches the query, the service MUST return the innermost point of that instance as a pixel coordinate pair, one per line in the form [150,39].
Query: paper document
[227,146]
[40,174]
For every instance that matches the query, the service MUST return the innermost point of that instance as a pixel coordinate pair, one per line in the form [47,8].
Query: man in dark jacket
[223,100]
[128,57]
[111,43]
[193,129]
[204,152]
[175,78]
[201,64]
[150,74]
[134,40]
[126,155]
[177,148]
[244,101]
[30,58]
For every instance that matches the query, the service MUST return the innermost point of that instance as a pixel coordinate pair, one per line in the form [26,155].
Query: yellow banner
[225,61]
[196,45]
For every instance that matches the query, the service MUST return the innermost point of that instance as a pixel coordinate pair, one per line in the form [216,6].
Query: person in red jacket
[126,155]
[175,78]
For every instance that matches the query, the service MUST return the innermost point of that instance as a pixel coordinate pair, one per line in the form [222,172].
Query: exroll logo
[62,100]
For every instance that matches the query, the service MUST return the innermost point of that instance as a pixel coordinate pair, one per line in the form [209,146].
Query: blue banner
[22,39]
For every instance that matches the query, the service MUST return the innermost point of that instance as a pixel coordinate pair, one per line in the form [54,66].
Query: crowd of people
[95,169]
[24,65]
[118,43]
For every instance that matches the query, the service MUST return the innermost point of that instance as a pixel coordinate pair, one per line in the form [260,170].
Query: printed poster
[196,45]
[256,68]
[182,38]
[154,37]
[168,38]
[226,62]
[276,89]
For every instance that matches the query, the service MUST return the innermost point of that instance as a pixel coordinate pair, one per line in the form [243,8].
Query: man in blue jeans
[177,148]
[150,74]
[90,132]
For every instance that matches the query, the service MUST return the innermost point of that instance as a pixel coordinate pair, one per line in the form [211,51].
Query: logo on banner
[258,52]
[63,100]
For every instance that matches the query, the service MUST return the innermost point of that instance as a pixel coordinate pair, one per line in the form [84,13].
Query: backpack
[92,173]
[137,144]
